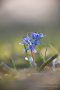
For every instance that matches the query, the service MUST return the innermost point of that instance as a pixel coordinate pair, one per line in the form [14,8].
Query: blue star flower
[36,42]
[37,35]
[26,40]
[31,47]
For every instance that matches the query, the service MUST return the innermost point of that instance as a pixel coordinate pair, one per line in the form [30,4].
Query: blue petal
[36,42]
[41,35]
[31,47]
[33,35]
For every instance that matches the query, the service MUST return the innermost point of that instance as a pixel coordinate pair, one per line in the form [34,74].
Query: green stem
[26,50]
[32,54]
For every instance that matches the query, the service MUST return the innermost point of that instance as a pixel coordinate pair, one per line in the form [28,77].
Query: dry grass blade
[47,62]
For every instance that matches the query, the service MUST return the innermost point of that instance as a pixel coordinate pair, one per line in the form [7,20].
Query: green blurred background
[20,17]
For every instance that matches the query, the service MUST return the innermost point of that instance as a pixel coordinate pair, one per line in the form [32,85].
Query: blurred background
[18,17]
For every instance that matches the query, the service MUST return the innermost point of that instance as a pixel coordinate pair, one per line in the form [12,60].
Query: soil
[32,80]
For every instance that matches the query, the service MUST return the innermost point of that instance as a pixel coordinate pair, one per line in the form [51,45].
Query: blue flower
[37,36]
[26,40]
[36,42]
[31,47]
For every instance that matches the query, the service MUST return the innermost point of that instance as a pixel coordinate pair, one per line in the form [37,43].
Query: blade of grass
[13,63]
[47,62]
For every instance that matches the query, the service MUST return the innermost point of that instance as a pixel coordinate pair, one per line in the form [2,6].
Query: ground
[30,79]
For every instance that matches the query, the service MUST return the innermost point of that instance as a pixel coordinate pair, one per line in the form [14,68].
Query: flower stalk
[33,56]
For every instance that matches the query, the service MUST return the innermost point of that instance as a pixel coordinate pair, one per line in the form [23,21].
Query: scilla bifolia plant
[30,42]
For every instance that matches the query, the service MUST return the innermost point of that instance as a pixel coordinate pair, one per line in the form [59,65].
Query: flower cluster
[30,42]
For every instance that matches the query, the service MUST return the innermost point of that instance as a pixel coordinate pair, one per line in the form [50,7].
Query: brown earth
[46,80]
